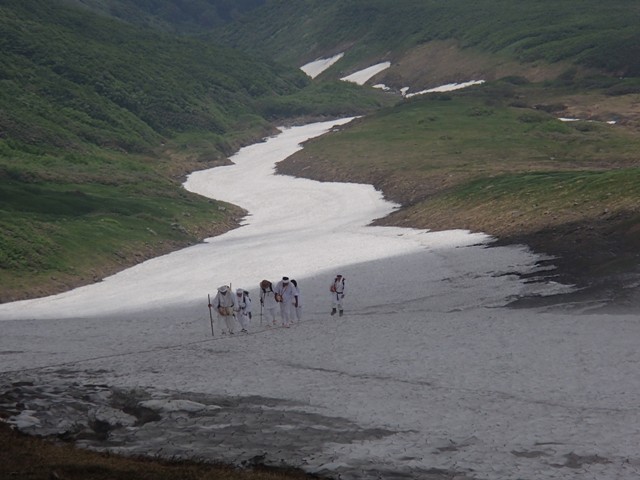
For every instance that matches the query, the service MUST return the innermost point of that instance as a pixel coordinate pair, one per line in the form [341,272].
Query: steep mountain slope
[171,15]
[596,35]
[130,80]
[99,120]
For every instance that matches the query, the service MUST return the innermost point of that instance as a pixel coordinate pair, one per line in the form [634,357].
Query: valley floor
[429,374]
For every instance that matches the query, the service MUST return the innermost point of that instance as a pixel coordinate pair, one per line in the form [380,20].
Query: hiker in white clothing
[337,290]
[286,295]
[243,309]
[297,306]
[224,303]
[268,301]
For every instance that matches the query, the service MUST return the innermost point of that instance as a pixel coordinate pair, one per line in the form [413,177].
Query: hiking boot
[333,311]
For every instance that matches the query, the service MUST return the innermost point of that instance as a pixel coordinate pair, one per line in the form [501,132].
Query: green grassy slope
[171,15]
[99,121]
[65,64]
[591,34]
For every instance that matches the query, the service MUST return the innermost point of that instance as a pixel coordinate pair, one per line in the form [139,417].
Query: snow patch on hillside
[362,76]
[315,68]
[568,120]
[449,87]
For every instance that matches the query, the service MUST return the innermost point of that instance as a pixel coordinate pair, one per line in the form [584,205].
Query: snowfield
[430,374]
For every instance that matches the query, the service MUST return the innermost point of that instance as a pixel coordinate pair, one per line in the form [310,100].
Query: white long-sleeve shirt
[243,304]
[268,297]
[286,290]
[224,300]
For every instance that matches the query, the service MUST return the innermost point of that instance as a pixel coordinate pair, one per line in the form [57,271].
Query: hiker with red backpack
[337,290]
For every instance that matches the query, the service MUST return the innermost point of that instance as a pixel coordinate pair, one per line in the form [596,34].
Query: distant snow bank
[565,119]
[449,87]
[315,68]
[362,76]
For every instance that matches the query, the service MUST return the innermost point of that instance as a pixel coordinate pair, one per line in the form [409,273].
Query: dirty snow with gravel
[428,375]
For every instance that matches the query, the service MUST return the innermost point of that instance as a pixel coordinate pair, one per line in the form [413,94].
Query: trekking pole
[210,314]
[261,313]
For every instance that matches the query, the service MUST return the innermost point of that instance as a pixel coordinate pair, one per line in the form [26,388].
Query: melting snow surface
[362,76]
[315,68]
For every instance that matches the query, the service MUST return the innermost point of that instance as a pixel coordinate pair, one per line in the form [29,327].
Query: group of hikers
[285,295]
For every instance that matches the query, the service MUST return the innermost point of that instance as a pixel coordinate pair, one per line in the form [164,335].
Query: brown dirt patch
[25,457]
[623,109]
[441,62]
